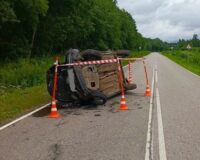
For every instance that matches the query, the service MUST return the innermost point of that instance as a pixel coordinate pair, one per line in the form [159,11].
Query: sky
[169,20]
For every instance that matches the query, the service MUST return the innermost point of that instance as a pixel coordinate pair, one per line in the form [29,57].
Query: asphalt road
[179,93]
[105,133]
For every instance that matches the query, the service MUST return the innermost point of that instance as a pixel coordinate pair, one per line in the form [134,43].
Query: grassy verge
[24,73]
[22,86]
[19,101]
[137,54]
[188,59]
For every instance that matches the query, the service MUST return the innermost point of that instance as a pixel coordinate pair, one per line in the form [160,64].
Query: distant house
[189,47]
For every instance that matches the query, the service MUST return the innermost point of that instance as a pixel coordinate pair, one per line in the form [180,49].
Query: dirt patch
[42,113]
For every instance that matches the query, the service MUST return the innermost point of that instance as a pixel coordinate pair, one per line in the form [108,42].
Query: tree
[7,14]
[18,38]
[33,9]
[41,27]
[195,41]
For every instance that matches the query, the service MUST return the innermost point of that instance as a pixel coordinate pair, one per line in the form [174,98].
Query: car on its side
[87,84]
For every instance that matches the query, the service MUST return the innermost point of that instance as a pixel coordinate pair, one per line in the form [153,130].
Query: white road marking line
[148,141]
[161,139]
[24,116]
[156,75]
[125,66]
[152,141]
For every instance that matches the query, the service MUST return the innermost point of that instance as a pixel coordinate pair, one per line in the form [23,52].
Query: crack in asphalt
[55,151]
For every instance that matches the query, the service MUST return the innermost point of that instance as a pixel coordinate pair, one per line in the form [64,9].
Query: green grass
[189,59]
[19,101]
[24,72]
[137,54]
[23,86]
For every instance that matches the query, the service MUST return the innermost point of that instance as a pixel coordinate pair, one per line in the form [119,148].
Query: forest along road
[165,129]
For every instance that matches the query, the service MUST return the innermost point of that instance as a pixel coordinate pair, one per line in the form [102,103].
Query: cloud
[168,20]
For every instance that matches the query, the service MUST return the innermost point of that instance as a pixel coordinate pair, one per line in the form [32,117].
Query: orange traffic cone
[148,91]
[123,105]
[54,112]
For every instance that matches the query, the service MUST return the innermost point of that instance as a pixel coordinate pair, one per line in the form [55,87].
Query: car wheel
[123,53]
[98,98]
[91,54]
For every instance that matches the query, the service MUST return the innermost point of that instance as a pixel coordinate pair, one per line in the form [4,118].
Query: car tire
[123,53]
[130,86]
[91,54]
[98,98]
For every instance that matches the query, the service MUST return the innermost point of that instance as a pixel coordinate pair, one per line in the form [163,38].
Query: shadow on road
[111,106]
[73,110]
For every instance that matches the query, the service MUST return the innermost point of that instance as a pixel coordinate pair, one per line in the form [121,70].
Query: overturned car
[87,84]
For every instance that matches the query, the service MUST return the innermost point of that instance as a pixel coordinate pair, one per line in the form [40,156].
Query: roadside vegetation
[32,28]
[190,59]
[186,53]
[19,101]
[22,86]
[24,72]
[136,54]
